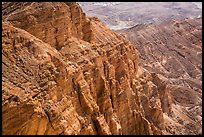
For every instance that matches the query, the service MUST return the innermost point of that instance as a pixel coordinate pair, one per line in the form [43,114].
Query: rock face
[174,51]
[65,73]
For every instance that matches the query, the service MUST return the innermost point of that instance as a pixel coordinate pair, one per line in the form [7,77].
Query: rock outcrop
[65,73]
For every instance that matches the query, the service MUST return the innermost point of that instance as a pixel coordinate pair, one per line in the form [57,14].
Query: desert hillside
[119,15]
[173,50]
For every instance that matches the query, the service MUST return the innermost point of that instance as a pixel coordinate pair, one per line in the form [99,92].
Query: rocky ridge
[65,73]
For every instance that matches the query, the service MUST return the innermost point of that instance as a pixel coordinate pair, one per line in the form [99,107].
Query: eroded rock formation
[65,73]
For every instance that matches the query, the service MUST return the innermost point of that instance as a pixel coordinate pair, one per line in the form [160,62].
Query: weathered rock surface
[65,73]
[173,50]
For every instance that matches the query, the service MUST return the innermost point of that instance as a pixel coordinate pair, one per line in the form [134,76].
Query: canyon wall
[65,73]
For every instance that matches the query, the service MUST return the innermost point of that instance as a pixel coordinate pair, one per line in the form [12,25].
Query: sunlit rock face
[66,73]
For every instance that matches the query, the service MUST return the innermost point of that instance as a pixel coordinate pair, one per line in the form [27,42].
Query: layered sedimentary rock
[65,73]
[174,51]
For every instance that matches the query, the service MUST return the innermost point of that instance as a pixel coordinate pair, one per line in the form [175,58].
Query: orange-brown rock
[65,73]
